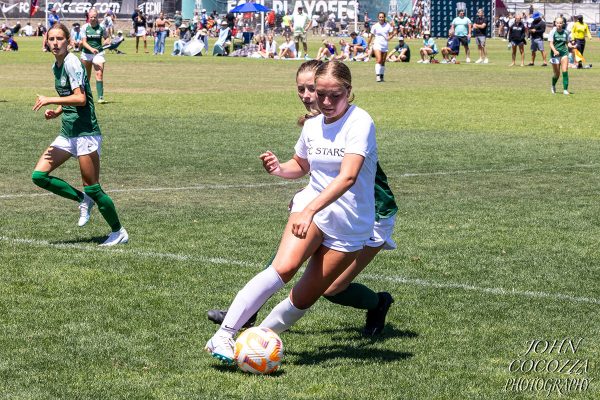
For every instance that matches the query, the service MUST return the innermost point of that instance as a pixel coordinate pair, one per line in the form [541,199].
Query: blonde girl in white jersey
[339,151]
[381,33]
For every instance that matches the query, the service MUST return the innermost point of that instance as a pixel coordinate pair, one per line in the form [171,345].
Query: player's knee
[94,191]
[40,178]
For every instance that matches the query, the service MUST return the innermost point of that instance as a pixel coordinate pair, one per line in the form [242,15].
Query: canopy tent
[252,8]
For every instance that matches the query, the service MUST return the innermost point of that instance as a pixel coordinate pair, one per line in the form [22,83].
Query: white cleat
[553,89]
[117,237]
[566,92]
[479,61]
[221,348]
[85,209]
[485,60]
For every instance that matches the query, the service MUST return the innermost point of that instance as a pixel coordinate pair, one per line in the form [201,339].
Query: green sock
[56,186]
[554,80]
[105,205]
[357,296]
[100,89]
[565,76]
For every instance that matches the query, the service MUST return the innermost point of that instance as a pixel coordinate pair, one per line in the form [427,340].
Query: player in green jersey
[79,137]
[560,46]
[343,290]
[94,37]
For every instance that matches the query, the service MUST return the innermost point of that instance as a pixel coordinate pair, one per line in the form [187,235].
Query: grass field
[497,182]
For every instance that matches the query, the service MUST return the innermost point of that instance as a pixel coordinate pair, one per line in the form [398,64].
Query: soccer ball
[258,350]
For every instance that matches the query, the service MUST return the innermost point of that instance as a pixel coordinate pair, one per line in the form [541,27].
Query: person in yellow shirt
[579,32]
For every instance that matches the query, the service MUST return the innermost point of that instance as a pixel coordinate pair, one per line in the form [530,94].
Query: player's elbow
[80,100]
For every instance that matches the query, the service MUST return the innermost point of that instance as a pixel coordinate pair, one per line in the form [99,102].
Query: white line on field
[225,261]
[284,183]
[472,288]
[164,189]
[491,170]
[121,250]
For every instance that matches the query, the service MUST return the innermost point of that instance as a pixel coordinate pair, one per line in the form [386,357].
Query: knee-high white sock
[283,316]
[377,69]
[248,300]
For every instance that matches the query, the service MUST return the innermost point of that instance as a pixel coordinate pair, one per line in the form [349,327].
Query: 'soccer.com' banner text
[77,9]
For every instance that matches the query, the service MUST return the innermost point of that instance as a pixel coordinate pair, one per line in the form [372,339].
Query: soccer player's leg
[291,254]
[89,165]
[324,267]
[51,159]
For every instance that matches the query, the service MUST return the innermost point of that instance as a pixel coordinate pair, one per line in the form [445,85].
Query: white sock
[248,300]
[283,316]
[377,69]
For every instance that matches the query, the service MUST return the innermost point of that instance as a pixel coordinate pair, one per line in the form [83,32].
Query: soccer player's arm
[470,25]
[551,43]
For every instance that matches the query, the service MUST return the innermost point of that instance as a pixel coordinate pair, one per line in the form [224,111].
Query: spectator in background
[450,52]
[536,33]
[53,18]
[8,42]
[270,50]
[108,22]
[221,47]
[76,37]
[231,20]
[161,25]
[462,27]
[401,52]
[185,37]
[516,37]
[314,24]
[344,53]
[301,23]
[288,48]
[27,30]
[429,48]
[40,30]
[358,45]
[286,23]
[579,32]
[480,26]
[367,23]
[327,51]
[139,28]
[178,21]
[270,21]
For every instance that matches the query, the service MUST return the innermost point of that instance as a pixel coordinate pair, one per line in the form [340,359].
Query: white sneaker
[479,61]
[85,209]
[553,89]
[468,60]
[443,62]
[117,237]
[566,92]
[221,348]
[378,78]
[420,62]
[485,60]
[426,62]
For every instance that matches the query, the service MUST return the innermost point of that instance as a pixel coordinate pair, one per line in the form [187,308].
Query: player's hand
[50,114]
[301,222]
[555,53]
[270,162]
[94,51]
[40,102]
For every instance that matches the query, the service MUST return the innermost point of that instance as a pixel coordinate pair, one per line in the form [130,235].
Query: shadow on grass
[231,369]
[361,349]
[94,239]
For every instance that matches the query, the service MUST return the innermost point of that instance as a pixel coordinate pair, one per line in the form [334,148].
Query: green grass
[497,183]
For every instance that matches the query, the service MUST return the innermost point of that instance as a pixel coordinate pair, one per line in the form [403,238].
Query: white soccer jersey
[351,216]
[381,33]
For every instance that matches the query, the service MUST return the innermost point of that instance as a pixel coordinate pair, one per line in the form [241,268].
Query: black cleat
[376,317]
[217,316]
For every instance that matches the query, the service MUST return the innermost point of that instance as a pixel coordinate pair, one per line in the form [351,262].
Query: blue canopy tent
[253,8]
